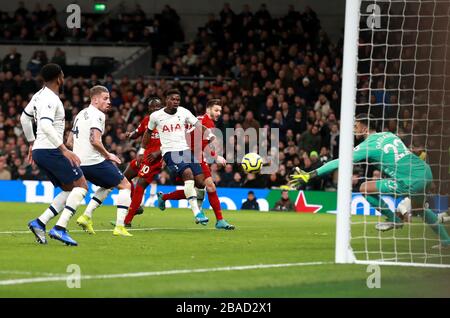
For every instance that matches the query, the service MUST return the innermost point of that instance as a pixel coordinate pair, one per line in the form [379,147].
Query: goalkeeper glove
[301,177]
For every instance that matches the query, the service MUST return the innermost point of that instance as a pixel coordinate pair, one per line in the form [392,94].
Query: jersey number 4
[75,128]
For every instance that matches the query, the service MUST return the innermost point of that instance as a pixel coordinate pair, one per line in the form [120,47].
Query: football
[252,163]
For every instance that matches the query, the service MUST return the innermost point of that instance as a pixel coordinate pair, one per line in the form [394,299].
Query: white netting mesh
[404,84]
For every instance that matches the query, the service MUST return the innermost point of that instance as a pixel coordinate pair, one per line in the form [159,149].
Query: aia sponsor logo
[171,128]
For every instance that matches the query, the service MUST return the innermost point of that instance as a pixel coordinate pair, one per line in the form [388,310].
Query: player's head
[52,73]
[173,97]
[364,125]
[100,98]
[154,104]
[214,108]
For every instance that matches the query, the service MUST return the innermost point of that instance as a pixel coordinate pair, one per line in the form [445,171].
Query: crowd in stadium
[269,72]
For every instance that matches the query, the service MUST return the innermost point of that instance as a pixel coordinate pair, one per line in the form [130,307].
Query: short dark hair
[365,119]
[212,102]
[172,91]
[50,72]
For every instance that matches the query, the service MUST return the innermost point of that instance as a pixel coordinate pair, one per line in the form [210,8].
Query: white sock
[123,203]
[191,196]
[55,207]
[200,197]
[73,201]
[99,196]
[153,195]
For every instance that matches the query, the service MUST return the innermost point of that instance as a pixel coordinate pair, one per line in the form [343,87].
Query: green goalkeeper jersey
[388,152]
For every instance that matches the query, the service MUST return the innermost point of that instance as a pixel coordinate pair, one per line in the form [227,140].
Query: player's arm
[95,138]
[359,153]
[26,119]
[69,142]
[138,131]
[212,142]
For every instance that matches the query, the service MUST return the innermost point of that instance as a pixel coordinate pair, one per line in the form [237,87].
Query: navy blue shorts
[58,168]
[104,174]
[178,161]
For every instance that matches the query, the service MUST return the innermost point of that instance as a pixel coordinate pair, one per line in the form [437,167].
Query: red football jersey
[154,143]
[142,126]
[208,123]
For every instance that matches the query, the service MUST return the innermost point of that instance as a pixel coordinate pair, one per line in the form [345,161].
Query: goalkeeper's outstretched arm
[359,153]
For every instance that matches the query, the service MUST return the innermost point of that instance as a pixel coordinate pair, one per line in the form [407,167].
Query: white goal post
[405,53]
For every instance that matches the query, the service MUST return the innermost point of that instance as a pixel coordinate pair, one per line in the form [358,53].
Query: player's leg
[213,199]
[419,204]
[68,177]
[76,196]
[191,195]
[153,195]
[130,173]
[37,226]
[123,204]
[85,220]
[372,190]
[136,200]
[181,163]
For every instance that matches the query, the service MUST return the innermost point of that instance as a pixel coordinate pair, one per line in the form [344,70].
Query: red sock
[135,203]
[132,189]
[175,195]
[215,204]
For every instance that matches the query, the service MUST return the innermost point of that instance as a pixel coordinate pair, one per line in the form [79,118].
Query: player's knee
[210,186]
[81,183]
[188,175]
[124,184]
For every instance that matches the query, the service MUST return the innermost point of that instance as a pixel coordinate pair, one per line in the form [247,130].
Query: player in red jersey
[147,163]
[213,112]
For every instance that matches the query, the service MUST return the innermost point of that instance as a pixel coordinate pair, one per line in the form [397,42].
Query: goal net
[401,57]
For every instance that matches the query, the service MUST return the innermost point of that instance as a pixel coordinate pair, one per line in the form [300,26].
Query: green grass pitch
[170,256]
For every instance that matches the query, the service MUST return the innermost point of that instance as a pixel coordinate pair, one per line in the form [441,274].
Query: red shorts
[149,171]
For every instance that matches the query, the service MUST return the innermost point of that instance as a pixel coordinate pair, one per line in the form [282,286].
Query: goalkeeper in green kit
[405,175]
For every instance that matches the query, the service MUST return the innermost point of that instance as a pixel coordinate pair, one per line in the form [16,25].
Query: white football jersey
[172,128]
[46,105]
[89,118]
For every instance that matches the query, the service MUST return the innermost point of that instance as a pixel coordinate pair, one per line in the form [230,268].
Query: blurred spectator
[11,62]
[311,139]
[250,203]
[36,62]
[236,182]
[5,174]
[59,57]
[284,204]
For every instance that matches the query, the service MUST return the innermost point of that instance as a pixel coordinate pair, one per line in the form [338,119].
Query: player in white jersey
[171,122]
[48,151]
[96,162]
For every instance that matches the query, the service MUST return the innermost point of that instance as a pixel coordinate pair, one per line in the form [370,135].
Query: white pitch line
[29,273]
[159,273]
[136,229]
